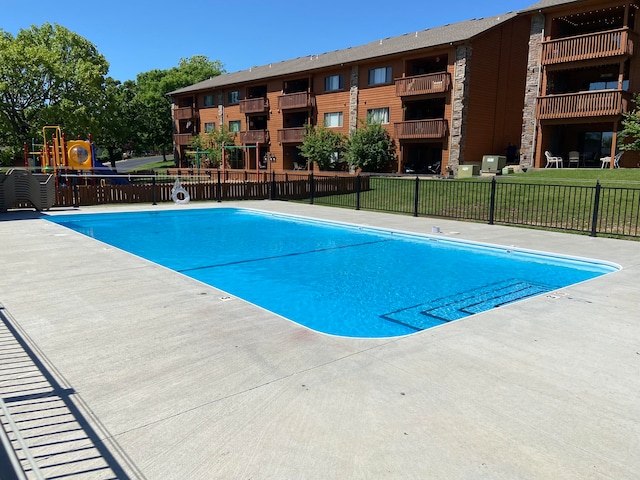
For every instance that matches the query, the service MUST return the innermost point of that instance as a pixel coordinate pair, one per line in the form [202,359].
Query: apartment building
[447,96]
[581,70]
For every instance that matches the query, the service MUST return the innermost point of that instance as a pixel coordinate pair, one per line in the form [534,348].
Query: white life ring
[176,192]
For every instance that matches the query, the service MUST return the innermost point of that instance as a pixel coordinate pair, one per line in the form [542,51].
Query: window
[333,119]
[235,125]
[379,76]
[209,100]
[378,115]
[233,97]
[333,83]
[209,127]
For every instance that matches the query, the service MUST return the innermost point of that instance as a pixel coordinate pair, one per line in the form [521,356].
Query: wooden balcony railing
[583,104]
[183,138]
[254,105]
[183,113]
[587,47]
[254,136]
[434,128]
[423,84]
[291,135]
[296,100]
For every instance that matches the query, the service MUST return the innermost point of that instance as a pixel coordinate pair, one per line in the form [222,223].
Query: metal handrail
[11,451]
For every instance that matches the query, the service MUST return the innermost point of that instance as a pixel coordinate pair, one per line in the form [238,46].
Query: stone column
[532,90]
[460,104]
[353,99]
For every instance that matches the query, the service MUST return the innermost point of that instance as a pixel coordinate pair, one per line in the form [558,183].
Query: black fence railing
[595,209]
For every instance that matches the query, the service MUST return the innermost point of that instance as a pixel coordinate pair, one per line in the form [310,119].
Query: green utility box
[493,163]
[468,171]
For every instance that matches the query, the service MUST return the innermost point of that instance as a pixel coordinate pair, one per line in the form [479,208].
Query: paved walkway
[117,367]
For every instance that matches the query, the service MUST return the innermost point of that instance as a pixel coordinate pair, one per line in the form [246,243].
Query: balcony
[254,105]
[592,46]
[291,135]
[183,113]
[423,84]
[254,136]
[182,138]
[603,103]
[418,129]
[296,100]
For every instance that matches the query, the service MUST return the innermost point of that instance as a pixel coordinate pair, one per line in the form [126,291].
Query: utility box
[468,171]
[493,163]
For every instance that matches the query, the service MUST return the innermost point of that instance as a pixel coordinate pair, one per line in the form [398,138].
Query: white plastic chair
[607,160]
[552,160]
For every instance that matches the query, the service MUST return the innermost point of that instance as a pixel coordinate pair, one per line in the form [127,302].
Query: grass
[619,177]
[560,199]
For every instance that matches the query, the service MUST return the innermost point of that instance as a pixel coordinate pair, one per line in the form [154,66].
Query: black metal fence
[594,209]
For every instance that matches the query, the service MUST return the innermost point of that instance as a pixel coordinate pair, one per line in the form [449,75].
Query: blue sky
[137,36]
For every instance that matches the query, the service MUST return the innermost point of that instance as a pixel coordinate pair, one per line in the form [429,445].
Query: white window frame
[236,122]
[378,115]
[209,127]
[334,115]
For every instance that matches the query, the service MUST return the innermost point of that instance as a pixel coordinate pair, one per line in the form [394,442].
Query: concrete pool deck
[116,367]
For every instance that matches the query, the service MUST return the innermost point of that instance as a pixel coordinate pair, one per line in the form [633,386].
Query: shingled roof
[448,34]
[548,3]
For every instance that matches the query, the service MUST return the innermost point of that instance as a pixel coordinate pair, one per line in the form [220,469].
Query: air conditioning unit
[493,163]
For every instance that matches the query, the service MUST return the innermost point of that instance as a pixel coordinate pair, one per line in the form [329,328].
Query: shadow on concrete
[51,419]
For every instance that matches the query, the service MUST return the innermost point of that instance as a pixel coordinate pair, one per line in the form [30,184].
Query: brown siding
[496,90]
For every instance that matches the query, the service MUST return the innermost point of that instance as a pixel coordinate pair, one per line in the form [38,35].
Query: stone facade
[460,100]
[532,87]
[353,99]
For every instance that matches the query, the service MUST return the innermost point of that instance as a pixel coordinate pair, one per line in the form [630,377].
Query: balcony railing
[183,138]
[254,136]
[584,104]
[423,84]
[254,105]
[183,113]
[588,47]
[296,100]
[434,128]
[291,135]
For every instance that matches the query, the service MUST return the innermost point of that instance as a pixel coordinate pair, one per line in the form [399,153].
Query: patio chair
[607,160]
[574,157]
[552,160]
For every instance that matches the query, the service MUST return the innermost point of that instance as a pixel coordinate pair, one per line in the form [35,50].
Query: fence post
[415,197]
[272,185]
[76,194]
[358,191]
[596,206]
[492,201]
[311,188]
[153,191]
[219,188]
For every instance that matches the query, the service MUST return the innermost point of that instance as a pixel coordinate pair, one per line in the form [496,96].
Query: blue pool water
[337,279]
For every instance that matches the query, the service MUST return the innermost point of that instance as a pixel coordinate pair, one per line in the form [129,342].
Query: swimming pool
[334,278]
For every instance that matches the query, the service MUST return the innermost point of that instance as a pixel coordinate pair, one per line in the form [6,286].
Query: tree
[323,146]
[629,137]
[371,148]
[117,127]
[156,129]
[212,143]
[48,76]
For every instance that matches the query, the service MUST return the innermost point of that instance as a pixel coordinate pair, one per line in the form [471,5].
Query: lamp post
[270,158]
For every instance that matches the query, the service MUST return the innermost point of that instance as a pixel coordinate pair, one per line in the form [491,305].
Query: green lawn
[619,177]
